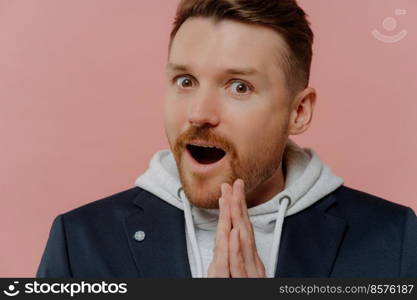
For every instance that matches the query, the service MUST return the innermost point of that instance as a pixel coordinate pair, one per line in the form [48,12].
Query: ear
[301,112]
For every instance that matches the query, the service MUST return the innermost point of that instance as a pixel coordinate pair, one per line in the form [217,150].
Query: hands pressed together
[235,253]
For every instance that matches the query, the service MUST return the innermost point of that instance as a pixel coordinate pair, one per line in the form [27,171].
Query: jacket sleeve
[55,261]
[409,247]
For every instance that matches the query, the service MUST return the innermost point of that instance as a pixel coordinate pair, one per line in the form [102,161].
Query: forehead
[205,43]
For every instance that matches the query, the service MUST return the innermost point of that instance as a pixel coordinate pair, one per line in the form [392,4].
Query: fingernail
[239,182]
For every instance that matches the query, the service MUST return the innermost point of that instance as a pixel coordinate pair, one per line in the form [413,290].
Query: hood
[307,180]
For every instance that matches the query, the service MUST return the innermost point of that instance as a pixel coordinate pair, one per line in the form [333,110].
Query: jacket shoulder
[82,240]
[380,233]
[115,205]
[353,201]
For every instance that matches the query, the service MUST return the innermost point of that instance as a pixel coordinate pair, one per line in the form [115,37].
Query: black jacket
[346,234]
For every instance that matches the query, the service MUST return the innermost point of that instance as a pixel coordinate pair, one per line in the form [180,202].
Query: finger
[260,267]
[237,264]
[220,264]
[239,191]
[246,233]
[219,267]
[249,252]
[238,208]
[224,222]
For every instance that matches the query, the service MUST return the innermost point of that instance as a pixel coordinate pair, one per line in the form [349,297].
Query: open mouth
[205,154]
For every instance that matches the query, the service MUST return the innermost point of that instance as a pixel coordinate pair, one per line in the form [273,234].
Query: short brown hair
[284,16]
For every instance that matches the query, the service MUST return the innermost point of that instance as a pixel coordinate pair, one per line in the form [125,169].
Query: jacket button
[139,235]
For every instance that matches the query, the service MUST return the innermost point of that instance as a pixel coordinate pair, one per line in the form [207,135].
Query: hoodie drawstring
[193,239]
[273,257]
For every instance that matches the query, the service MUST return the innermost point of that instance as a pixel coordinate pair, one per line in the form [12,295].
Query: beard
[261,161]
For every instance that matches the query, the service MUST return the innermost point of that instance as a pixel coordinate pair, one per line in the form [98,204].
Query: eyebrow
[230,71]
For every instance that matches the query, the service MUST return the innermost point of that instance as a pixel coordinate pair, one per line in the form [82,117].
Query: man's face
[226,107]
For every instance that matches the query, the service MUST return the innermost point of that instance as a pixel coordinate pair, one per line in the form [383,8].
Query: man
[235,197]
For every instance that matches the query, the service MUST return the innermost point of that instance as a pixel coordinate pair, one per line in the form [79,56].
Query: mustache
[204,134]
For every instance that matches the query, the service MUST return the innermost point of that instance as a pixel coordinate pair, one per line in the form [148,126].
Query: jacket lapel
[310,242]
[163,251]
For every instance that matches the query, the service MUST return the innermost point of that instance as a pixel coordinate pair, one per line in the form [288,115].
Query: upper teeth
[204,146]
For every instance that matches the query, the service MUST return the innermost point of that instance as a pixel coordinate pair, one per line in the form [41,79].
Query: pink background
[81,93]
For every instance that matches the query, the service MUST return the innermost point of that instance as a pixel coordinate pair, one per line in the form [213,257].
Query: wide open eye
[184,82]
[240,88]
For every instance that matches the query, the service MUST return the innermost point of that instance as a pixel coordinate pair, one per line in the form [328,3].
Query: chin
[203,193]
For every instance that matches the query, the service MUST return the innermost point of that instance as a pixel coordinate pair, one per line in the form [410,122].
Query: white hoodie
[307,180]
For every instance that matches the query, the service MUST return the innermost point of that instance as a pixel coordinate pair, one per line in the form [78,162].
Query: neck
[267,189]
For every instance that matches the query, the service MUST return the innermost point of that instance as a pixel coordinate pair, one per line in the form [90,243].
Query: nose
[204,110]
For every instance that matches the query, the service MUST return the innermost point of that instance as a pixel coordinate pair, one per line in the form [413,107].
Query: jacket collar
[310,240]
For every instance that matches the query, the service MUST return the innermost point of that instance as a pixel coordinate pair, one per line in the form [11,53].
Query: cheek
[174,117]
[255,129]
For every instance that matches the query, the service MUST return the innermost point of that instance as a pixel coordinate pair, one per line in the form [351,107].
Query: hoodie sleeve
[409,247]
[55,262]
